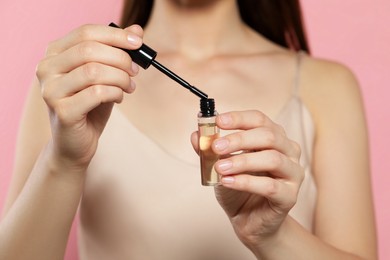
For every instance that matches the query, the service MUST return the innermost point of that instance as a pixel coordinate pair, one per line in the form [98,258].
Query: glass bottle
[208,132]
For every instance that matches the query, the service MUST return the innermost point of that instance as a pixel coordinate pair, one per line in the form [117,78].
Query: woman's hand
[81,77]
[259,185]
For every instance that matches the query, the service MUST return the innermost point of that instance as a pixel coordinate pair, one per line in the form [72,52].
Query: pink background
[354,32]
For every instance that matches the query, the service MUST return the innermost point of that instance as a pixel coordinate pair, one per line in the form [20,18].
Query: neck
[196,29]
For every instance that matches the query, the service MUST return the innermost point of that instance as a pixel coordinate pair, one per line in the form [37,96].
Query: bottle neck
[207,107]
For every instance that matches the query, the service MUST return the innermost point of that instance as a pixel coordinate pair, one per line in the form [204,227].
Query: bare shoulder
[341,157]
[328,88]
[325,72]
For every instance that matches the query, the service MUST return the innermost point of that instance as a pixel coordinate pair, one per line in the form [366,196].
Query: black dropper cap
[145,56]
[207,107]
[142,56]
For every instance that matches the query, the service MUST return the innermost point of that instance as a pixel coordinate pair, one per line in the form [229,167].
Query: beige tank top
[142,203]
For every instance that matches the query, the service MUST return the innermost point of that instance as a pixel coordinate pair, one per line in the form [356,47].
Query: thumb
[195,141]
[136,29]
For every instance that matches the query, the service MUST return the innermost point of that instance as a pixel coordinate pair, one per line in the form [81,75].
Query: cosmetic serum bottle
[208,132]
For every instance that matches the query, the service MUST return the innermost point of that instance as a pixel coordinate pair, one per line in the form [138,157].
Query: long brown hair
[278,20]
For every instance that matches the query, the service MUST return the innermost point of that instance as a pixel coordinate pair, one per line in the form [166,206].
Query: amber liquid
[208,132]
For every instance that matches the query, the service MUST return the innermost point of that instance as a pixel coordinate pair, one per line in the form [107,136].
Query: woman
[300,191]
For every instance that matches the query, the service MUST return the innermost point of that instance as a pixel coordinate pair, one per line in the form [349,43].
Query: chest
[143,203]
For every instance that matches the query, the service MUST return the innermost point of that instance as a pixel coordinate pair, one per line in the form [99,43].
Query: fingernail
[225,119]
[227,179]
[225,165]
[221,144]
[134,68]
[133,39]
[132,85]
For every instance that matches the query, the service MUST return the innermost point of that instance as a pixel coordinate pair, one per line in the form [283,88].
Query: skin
[86,69]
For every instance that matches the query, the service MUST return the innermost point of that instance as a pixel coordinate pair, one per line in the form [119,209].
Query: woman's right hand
[81,77]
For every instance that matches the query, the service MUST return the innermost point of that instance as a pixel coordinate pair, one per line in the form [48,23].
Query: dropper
[145,56]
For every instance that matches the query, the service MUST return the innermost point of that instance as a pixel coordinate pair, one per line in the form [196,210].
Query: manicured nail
[225,165]
[133,39]
[132,86]
[227,180]
[221,144]
[134,68]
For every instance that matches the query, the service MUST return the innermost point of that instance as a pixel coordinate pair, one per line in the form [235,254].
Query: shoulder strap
[298,62]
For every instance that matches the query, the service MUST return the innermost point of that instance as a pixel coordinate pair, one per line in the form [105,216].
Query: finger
[117,37]
[85,52]
[271,162]
[94,74]
[279,193]
[195,141]
[244,120]
[136,29]
[260,138]
[75,108]
[88,75]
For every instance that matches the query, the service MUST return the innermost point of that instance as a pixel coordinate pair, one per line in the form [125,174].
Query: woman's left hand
[260,185]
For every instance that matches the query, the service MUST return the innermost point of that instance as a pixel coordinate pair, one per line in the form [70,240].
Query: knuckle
[41,69]
[269,137]
[85,32]
[260,117]
[241,161]
[45,93]
[86,49]
[297,149]
[95,91]
[105,93]
[275,159]
[91,71]
[237,139]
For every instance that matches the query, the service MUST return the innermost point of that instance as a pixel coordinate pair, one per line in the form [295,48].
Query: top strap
[298,62]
